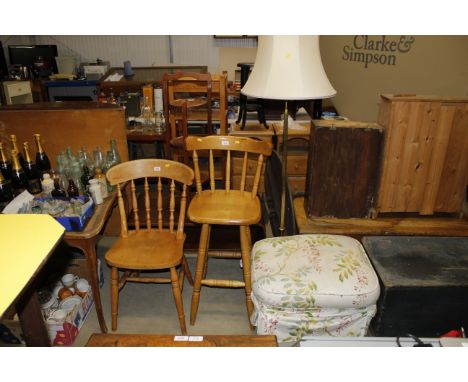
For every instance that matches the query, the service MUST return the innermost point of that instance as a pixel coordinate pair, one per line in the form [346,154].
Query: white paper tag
[181,338]
[225,143]
[195,338]
[157,169]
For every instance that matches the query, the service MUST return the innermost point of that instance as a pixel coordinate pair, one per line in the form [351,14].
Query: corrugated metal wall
[140,50]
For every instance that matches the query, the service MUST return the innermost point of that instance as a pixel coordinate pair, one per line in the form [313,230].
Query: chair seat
[191,102]
[146,250]
[221,207]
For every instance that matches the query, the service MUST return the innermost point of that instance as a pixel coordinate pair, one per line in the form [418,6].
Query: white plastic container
[95,188]
[47,184]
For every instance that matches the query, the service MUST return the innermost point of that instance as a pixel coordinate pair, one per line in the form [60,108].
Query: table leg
[88,246]
[30,315]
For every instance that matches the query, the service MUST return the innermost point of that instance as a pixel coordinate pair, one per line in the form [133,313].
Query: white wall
[140,50]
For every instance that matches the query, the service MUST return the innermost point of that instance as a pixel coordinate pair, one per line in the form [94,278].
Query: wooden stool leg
[205,268]
[178,300]
[187,271]
[245,251]
[202,246]
[114,296]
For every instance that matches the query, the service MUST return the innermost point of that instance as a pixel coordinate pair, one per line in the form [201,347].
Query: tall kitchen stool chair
[147,248]
[225,206]
[312,285]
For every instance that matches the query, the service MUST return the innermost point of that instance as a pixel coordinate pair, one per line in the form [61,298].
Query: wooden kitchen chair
[183,93]
[147,248]
[225,206]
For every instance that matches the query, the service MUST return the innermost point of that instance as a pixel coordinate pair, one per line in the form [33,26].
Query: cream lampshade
[288,68]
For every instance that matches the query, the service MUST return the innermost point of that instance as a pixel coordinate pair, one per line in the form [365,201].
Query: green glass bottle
[18,152]
[19,181]
[6,193]
[32,173]
[5,163]
[42,160]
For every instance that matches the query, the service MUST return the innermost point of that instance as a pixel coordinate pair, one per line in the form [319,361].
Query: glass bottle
[86,176]
[5,163]
[76,173]
[58,192]
[42,160]
[146,112]
[72,189]
[18,153]
[98,157]
[115,152]
[32,173]
[18,177]
[6,193]
[159,123]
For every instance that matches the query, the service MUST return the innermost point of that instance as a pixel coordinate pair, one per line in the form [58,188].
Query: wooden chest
[424,284]
[425,160]
[342,168]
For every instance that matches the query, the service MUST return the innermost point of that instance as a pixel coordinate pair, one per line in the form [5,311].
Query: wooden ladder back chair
[177,105]
[225,206]
[146,248]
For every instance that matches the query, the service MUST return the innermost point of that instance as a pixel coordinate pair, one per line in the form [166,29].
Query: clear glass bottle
[115,153]
[146,112]
[98,157]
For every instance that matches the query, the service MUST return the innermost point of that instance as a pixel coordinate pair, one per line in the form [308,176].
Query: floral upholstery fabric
[312,285]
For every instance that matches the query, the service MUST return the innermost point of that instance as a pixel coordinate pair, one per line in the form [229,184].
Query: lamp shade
[288,68]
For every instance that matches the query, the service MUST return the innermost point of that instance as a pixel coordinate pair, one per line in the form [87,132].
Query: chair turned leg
[202,248]
[245,251]
[205,268]
[178,300]
[114,296]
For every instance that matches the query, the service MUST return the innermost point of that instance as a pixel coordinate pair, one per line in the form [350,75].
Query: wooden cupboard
[425,158]
[342,170]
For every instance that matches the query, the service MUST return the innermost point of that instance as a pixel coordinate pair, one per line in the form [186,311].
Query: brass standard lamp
[288,68]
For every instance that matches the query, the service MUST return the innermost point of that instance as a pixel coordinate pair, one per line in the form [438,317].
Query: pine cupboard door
[425,160]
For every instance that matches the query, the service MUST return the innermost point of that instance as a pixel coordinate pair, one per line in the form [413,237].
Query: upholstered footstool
[312,285]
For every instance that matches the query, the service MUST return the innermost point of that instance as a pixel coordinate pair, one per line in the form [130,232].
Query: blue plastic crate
[75,223]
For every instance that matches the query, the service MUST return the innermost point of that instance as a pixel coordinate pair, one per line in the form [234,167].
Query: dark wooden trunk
[424,284]
[342,169]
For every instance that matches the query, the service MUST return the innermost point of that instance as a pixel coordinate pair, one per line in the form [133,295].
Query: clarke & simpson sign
[381,50]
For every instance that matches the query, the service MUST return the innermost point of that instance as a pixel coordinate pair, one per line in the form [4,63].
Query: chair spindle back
[228,144]
[147,169]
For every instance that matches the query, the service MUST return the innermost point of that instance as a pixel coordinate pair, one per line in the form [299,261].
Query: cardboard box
[64,334]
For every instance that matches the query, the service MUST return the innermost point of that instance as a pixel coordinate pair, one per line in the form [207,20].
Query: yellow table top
[25,241]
